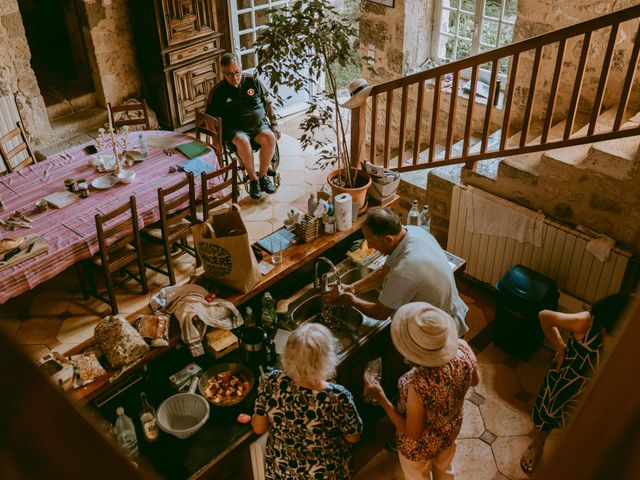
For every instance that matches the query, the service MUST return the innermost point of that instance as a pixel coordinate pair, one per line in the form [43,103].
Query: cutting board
[39,247]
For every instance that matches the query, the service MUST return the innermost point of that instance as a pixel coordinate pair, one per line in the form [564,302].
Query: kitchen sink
[345,322]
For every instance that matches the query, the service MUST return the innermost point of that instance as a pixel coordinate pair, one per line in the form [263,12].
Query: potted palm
[302,46]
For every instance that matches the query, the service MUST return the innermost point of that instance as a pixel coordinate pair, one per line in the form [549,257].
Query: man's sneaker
[267,185]
[254,189]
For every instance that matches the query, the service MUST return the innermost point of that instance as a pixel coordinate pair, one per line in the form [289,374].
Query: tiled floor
[496,423]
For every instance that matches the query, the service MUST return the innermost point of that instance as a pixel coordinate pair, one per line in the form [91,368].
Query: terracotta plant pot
[358,193]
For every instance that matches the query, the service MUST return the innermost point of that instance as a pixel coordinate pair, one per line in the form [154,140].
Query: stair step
[67,106]
[72,130]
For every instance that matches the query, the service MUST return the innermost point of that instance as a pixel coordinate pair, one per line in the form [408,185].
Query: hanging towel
[493,215]
[601,247]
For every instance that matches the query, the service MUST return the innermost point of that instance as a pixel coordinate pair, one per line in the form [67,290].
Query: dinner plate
[104,182]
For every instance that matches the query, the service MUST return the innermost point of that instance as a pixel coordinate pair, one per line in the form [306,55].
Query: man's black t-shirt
[240,108]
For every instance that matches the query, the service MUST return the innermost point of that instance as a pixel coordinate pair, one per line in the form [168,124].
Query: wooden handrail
[385,139]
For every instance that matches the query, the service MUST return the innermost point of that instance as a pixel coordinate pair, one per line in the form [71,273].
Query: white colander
[183,414]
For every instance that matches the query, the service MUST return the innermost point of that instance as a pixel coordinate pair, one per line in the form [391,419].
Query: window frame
[476,39]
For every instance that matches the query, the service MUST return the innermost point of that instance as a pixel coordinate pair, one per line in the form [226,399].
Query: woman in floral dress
[573,366]
[312,423]
[428,416]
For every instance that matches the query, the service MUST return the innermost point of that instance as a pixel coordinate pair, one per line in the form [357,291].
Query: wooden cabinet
[178,47]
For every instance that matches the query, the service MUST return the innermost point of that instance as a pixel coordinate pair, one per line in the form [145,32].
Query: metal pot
[253,341]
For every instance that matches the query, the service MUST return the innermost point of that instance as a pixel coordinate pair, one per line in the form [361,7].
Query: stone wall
[536,17]
[16,75]
[109,40]
[110,50]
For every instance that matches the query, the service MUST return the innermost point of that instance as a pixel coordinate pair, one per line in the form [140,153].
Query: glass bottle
[143,146]
[126,434]
[413,218]
[148,419]
[425,218]
[312,204]
[269,318]
[249,320]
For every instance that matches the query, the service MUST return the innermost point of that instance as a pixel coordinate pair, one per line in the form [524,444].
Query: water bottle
[126,434]
[269,318]
[425,218]
[143,146]
[414,215]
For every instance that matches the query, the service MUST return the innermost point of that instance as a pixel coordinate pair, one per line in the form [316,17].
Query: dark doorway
[58,55]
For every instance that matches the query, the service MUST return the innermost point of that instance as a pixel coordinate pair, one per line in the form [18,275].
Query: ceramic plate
[104,182]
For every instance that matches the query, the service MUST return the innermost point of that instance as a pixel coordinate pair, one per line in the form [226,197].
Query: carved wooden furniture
[177,205]
[209,129]
[119,240]
[15,150]
[131,114]
[178,46]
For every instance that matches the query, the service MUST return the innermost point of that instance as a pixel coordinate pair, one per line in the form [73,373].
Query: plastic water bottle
[269,318]
[143,146]
[126,434]
[414,215]
[425,218]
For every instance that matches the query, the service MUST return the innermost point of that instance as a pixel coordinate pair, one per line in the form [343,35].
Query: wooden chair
[209,130]
[15,150]
[134,114]
[215,194]
[119,241]
[177,206]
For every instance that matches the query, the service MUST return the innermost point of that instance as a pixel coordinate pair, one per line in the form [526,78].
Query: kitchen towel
[342,207]
[601,247]
[493,215]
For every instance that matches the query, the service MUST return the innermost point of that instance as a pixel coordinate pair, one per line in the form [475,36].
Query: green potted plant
[303,45]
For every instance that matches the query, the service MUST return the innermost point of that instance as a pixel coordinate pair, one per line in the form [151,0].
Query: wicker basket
[307,231]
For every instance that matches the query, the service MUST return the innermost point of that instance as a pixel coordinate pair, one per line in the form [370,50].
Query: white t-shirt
[420,272]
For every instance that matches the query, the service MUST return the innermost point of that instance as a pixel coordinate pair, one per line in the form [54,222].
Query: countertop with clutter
[221,445]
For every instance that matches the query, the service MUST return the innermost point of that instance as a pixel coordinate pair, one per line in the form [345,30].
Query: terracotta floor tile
[49,303]
[255,212]
[35,352]
[497,381]
[532,373]
[77,328]
[10,326]
[474,460]
[487,437]
[506,417]
[38,330]
[507,452]
[257,230]
[292,177]
[472,424]
[289,193]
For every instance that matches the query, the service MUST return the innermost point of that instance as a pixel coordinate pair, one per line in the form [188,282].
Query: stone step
[68,106]
[72,130]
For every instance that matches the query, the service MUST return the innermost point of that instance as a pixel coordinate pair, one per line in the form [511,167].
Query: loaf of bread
[7,244]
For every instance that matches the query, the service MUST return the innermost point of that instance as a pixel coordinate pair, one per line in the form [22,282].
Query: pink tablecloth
[70,232]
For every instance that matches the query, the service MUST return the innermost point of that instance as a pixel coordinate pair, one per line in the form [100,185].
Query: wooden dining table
[70,231]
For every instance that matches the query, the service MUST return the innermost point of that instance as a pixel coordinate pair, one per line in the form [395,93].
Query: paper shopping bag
[224,248]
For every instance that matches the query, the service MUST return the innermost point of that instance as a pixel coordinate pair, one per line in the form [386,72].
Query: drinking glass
[276,250]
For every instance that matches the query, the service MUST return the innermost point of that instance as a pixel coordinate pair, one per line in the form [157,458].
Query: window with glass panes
[469,27]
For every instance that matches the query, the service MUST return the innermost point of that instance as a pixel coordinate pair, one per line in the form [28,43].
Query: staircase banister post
[358,129]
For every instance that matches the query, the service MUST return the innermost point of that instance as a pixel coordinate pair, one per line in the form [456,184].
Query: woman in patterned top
[573,366]
[312,423]
[429,411]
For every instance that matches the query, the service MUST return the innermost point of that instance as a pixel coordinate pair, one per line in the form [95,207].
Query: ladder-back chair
[131,114]
[15,150]
[177,205]
[120,246]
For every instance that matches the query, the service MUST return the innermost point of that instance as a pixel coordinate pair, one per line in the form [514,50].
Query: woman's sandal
[530,458]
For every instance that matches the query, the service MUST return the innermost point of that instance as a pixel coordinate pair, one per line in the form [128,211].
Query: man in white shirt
[416,270]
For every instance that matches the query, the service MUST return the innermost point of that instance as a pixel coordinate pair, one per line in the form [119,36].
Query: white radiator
[561,257]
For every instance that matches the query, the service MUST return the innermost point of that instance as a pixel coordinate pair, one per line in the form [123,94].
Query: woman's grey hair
[310,354]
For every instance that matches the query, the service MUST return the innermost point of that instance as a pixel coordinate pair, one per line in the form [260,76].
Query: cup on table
[83,188]
[41,206]
[276,250]
[70,185]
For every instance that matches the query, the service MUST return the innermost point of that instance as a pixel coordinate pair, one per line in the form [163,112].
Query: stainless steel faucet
[322,282]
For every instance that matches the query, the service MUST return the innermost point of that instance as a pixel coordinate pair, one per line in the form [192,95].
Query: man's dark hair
[607,311]
[228,58]
[382,221]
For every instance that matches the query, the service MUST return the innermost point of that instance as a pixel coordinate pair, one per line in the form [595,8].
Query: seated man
[244,104]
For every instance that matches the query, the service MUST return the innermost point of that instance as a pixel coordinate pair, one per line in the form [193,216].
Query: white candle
[110,123]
